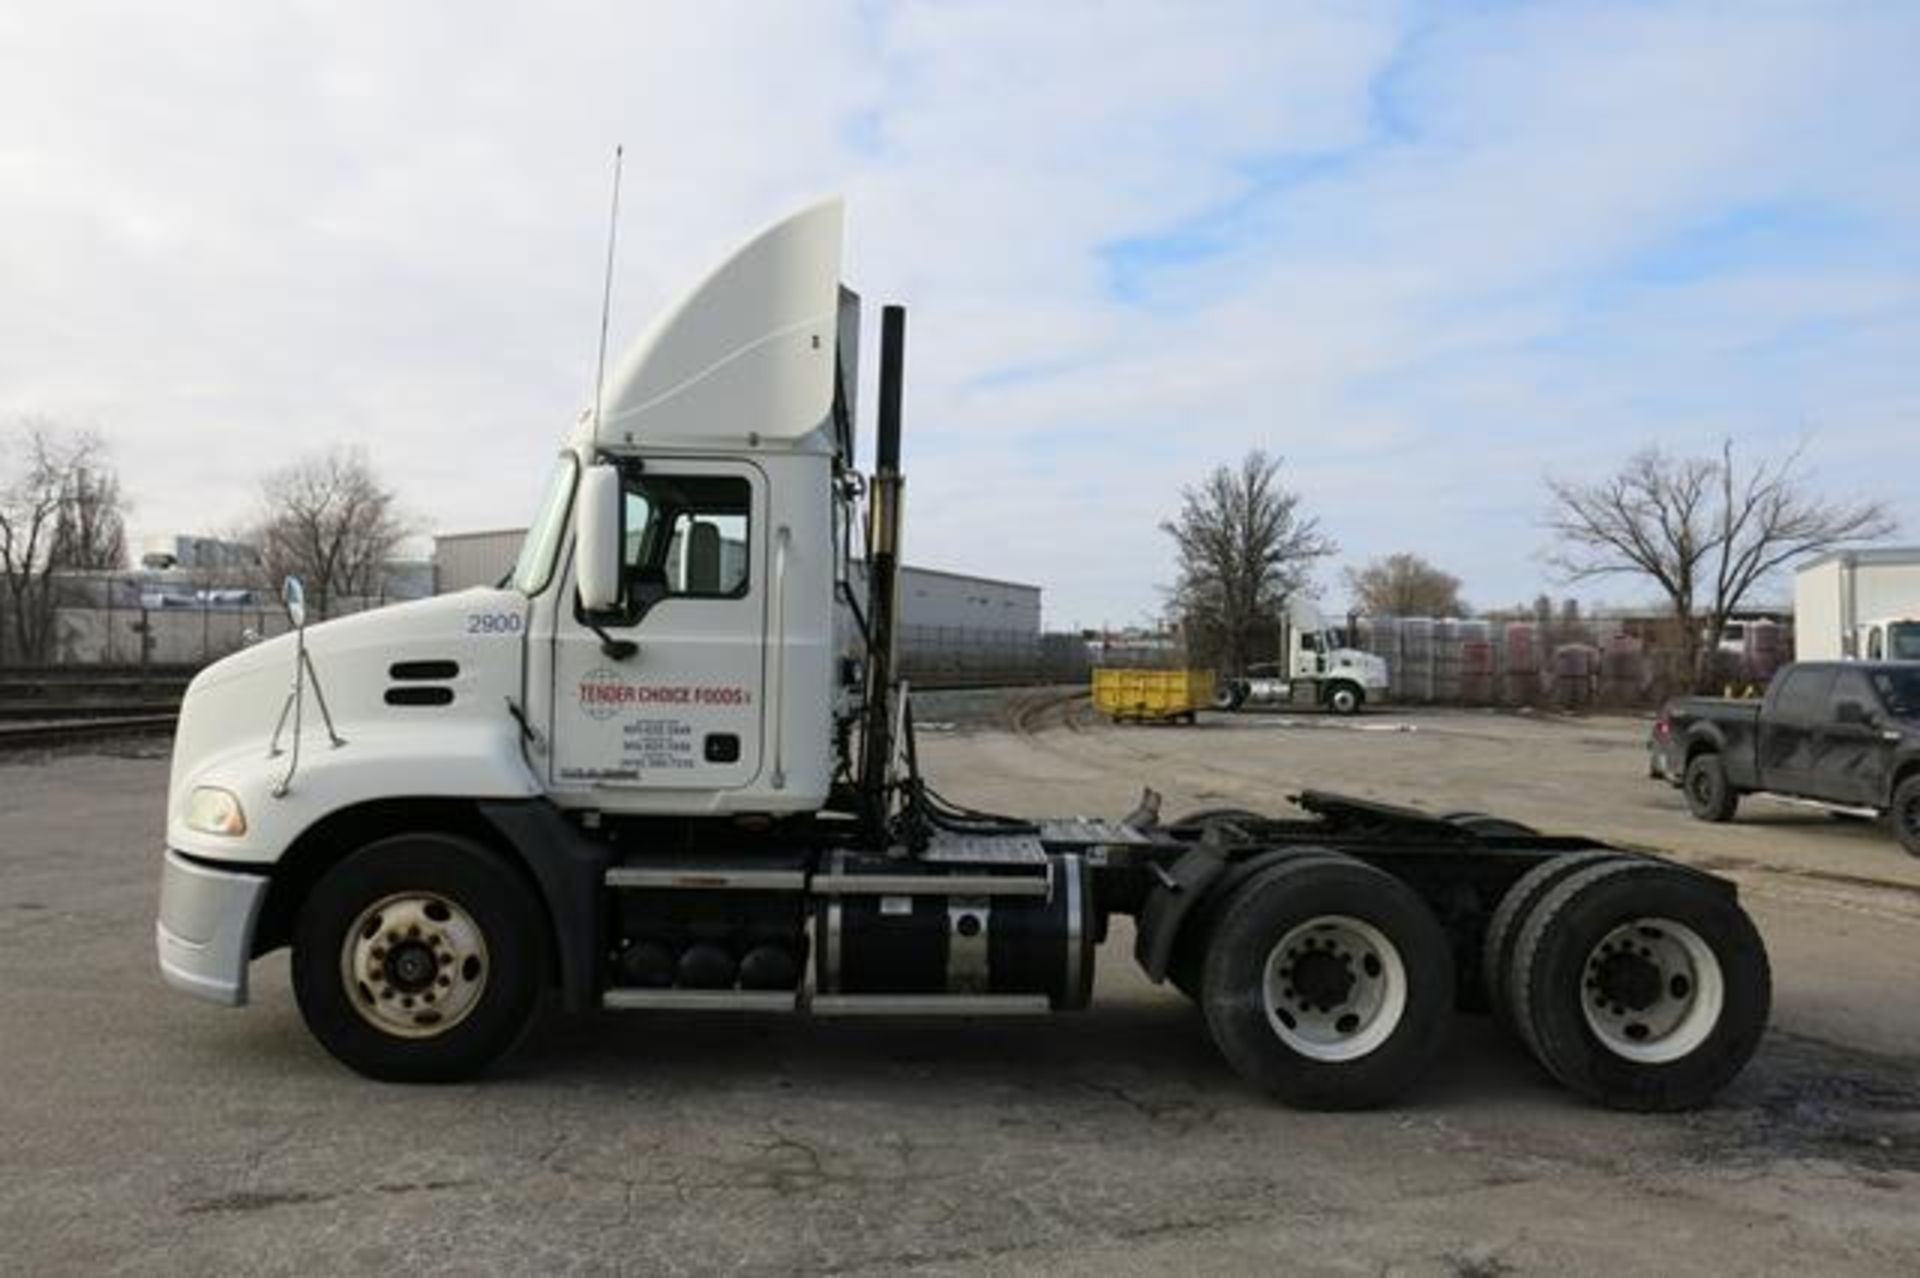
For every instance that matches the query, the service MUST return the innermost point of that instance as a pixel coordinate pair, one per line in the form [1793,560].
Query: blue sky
[1428,253]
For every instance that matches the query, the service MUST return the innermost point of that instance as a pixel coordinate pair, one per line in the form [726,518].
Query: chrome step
[927,885]
[930,1004]
[630,1000]
[705,878]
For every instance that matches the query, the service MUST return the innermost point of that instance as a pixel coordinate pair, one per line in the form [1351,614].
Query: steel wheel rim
[1343,700]
[1702,786]
[1652,991]
[1302,995]
[1909,817]
[414,964]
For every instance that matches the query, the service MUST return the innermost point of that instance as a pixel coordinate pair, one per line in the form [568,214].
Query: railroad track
[60,732]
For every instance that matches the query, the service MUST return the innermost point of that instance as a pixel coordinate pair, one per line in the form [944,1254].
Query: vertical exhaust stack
[883,570]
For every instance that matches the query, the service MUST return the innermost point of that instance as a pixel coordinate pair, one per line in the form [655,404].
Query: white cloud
[1403,253]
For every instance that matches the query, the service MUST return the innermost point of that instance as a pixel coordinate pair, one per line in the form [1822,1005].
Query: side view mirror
[596,539]
[1851,712]
[294,595]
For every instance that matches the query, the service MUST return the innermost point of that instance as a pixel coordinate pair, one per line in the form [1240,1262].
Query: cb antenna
[606,290]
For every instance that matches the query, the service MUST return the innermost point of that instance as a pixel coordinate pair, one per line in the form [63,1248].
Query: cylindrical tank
[1416,656]
[1574,666]
[1520,662]
[1623,671]
[932,943]
[1446,659]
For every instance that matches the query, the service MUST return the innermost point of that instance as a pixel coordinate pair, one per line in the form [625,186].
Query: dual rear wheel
[1637,983]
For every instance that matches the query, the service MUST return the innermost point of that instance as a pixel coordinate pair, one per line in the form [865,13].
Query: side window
[1803,697]
[686,537]
[1853,686]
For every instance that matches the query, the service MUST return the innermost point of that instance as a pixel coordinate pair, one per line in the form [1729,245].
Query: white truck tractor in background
[1316,669]
[666,768]
[1861,605]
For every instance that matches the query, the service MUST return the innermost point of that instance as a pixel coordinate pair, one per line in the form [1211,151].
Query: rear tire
[1328,984]
[451,985]
[1187,965]
[1642,986]
[1903,815]
[1503,928]
[1710,796]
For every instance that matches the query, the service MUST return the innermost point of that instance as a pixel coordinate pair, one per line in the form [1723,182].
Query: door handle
[782,545]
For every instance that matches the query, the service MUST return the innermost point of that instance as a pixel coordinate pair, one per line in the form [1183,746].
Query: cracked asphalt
[144,1132]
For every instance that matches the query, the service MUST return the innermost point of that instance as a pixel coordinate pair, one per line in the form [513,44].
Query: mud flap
[571,871]
[1180,889]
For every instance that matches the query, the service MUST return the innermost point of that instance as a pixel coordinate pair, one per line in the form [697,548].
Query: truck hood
[414,668]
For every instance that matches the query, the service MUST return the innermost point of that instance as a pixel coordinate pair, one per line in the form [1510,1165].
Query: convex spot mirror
[294,595]
[596,538]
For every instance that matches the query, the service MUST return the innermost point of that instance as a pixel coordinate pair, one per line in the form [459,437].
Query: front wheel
[1328,983]
[419,958]
[1904,814]
[1710,796]
[1344,698]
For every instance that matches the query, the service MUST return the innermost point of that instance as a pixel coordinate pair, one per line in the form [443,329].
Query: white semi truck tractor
[1316,669]
[666,768]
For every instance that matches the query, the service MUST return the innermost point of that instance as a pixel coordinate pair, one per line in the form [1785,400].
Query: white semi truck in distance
[1861,605]
[666,768]
[1315,669]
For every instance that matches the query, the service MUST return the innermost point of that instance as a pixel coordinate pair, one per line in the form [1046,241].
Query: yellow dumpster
[1159,696]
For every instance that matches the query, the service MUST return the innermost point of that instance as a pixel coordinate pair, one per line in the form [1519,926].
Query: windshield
[1903,641]
[1900,689]
[535,566]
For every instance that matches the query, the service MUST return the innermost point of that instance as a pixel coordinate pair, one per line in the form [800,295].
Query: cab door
[1856,758]
[683,709]
[1790,729]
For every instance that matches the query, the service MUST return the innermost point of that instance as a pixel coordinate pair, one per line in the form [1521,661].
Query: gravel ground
[146,1132]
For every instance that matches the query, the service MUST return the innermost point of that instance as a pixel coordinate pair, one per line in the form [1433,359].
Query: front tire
[420,958]
[1903,815]
[1345,698]
[1328,983]
[1710,796]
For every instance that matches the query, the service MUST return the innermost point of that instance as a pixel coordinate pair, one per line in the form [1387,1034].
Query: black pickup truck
[1844,733]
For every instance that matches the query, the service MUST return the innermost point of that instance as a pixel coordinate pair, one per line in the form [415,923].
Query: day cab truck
[1316,670]
[666,768]
[1841,734]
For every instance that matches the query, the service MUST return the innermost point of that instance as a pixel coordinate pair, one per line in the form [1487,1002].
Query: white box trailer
[1858,604]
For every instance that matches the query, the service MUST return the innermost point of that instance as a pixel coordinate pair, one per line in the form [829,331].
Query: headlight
[211,810]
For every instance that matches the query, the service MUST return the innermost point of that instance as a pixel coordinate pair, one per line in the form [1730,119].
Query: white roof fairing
[747,352]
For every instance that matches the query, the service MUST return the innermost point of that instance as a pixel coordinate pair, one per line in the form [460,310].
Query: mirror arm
[615,649]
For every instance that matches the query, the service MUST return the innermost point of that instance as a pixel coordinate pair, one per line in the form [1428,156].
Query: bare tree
[1244,549]
[329,521]
[1405,585]
[60,509]
[1706,530]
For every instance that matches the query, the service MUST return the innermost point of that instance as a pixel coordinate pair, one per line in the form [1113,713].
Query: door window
[684,537]
[1803,698]
[1853,686]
